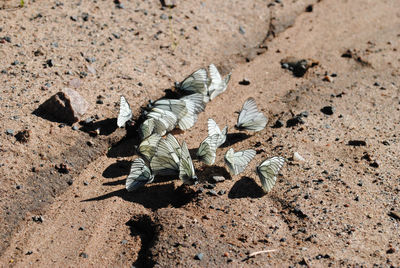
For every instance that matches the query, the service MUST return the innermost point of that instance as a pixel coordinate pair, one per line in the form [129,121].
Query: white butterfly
[139,175]
[268,170]
[213,129]
[238,161]
[146,128]
[178,107]
[217,85]
[250,118]
[174,144]
[166,159]
[197,82]
[148,147]
[125,112]
[207,149]
[164,120]
[186,168]
[195,102]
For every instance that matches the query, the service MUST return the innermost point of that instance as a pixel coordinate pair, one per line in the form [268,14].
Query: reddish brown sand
[340,207]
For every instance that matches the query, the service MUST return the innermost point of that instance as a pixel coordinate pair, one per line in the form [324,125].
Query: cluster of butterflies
[164,156]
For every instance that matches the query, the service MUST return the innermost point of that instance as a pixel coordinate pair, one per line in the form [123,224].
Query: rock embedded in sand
[66,106]
[328,110]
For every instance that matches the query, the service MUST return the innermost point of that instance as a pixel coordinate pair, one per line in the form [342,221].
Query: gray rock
[10,132]
[66,106]
[199,256]
[241,30]
[216,179]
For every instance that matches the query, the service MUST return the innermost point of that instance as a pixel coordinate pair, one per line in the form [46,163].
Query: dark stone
[116,35]
[328,110]
[73,18]
[23,136]
[50,63]
[85,16]
[357,143]
[199,256]
[212,193]
[10,132]
[244,82]
[309,8]
[66,106]
[294,121]
[83,255]
[374,164]
[37,219]
[241,30]
[278,124]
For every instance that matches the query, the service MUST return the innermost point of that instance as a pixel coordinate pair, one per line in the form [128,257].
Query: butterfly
[238,161]
[207,149]
[217,85]
[213,129]
[194,102]
[178,107]
[166,159]
[164,120]
[146,128]
[186,168]
[268,170]
[197,82]
[250,118]
[148,147]
[125,112]
[139,175]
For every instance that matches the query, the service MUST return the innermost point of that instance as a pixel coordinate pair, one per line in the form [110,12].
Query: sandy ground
[338,208]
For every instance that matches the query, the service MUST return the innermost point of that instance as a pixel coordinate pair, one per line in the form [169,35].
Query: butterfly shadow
[117,169]
[154,196]
[232,138]
[104,127]
[246,187]
[124,148]
[207,172]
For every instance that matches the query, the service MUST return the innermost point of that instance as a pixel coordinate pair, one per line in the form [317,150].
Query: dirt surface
[339,207]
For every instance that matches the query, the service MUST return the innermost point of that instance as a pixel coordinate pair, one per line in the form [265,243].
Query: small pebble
[124,242]
[221,192]
[244,82]
[163,17]
[10,132]
[75,128]
[328,110]
[278,124]
[241,30]
[85,183]
[297,157]
[116,35]
[83,255]
[18,187]
[199,256]
[212,193]
[37,219]
[216,179]
[81,228]
[74,18]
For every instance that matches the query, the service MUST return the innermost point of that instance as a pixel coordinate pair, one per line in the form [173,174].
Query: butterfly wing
[207,149]
[238,161]
[165,161]
[146,128]
[138,176]
[250,118]
[148,147]
[213,129]
[268,170]
[196,101]
[178,107]
[186,169]
[125,112]
[195,83]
